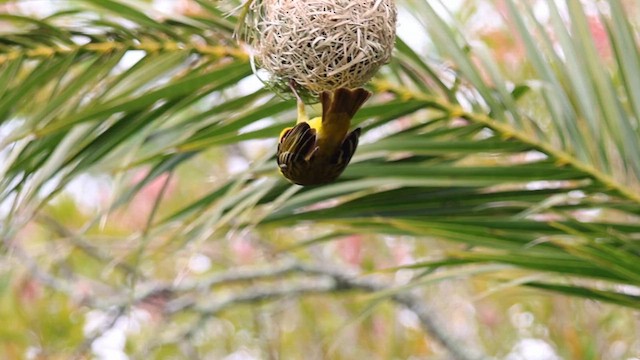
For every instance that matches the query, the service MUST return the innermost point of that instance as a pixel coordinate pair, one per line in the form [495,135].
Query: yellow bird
[317,151]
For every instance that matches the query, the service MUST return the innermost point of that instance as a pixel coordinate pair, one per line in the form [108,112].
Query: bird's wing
[296,144]
[347,148]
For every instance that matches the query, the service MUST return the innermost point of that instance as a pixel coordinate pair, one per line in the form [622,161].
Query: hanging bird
[317,151]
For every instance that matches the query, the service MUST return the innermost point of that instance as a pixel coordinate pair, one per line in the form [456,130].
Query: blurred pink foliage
[403,253]
[350,249]
[244,250]
[510,51]
[136,214]
[600,37]
[29,290]
[507,50]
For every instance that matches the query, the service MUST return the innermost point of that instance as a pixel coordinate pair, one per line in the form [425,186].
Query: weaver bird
[317,151]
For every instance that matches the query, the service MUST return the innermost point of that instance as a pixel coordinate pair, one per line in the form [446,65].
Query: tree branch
[324,280]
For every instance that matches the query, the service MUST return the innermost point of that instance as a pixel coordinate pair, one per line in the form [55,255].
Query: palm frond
[464,154]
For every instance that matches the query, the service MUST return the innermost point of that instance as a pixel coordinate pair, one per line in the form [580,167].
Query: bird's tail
[342,104]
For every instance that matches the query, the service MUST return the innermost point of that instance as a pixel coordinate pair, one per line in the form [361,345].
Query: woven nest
[323,44]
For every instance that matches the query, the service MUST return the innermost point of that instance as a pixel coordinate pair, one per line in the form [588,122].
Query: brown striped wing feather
[295,145]
[302,168]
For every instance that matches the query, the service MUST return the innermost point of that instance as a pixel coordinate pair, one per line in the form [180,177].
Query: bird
[316,151]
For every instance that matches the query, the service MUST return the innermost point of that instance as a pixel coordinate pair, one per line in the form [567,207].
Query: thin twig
[85,346]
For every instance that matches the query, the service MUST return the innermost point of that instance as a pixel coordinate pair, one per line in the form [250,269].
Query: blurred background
[491,210]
